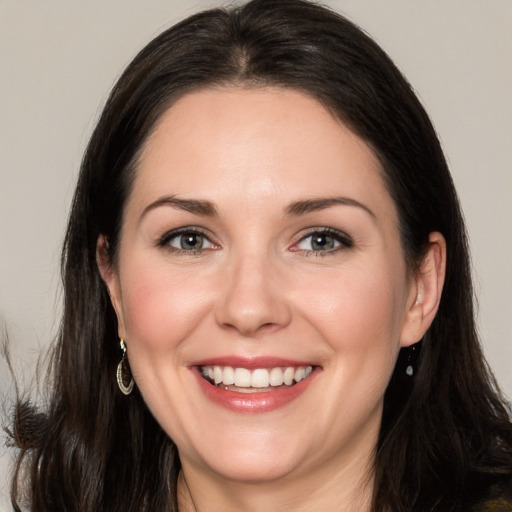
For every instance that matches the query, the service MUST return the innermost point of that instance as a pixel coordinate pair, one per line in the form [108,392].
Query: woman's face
[260,247]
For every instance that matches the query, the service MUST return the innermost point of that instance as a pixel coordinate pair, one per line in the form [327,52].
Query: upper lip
[251,363]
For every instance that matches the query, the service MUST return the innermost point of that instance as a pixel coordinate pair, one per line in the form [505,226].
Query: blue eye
[187,240]
[327,240]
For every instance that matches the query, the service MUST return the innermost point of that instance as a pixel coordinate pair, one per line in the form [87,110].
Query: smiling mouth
[244,380]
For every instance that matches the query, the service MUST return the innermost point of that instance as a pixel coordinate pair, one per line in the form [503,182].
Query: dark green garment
[499,505]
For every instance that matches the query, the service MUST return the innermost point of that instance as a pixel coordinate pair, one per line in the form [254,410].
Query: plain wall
[60,58]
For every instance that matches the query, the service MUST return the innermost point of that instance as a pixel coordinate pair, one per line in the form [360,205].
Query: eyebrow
[207,208]
[313,205]
[197,206]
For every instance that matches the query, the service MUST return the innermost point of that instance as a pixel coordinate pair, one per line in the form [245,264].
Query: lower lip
[260,402]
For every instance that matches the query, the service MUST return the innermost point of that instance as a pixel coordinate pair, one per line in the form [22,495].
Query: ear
[111,279]
[425,293]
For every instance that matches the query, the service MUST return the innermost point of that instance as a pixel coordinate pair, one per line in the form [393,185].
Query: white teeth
[276,377]
[258,378]
[300,373]
[288,376]
[228,376]
[217,374]
[242,378]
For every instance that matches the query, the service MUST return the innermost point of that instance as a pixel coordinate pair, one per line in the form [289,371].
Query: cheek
[359,313]
[161,306]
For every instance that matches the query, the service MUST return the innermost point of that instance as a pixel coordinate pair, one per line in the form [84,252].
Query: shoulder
[498,505]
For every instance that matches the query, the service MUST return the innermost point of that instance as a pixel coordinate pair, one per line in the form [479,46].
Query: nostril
[254,330]
[250,301]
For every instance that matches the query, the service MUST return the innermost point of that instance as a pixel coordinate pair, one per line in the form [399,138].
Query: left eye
[323,241]
[189,241]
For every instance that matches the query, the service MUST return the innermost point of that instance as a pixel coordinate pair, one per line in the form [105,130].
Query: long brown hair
[446,436]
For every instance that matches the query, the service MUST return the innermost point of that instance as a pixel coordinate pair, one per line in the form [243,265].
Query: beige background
[60,58]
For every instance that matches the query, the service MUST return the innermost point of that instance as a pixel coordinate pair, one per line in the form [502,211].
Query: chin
[251,458]
[258,469]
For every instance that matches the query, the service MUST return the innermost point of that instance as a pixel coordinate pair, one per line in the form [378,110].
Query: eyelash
[344,241]
[165,240]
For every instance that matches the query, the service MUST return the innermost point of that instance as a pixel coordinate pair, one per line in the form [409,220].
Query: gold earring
[124,374]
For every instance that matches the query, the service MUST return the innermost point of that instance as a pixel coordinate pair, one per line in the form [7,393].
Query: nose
[253,300]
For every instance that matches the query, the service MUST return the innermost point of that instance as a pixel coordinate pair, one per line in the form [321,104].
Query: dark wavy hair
[445,442]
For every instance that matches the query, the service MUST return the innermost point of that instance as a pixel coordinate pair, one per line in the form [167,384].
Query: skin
[259,288]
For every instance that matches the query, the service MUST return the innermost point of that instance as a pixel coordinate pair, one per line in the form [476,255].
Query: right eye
[188,240]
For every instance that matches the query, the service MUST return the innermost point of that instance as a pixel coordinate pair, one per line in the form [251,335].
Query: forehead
[262,144]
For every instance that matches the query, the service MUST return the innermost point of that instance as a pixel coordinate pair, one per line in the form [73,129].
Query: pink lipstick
[253,385]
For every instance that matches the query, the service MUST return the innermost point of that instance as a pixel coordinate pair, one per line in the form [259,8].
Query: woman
[268,302]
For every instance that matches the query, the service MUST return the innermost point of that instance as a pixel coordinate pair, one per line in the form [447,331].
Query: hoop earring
[124,374]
